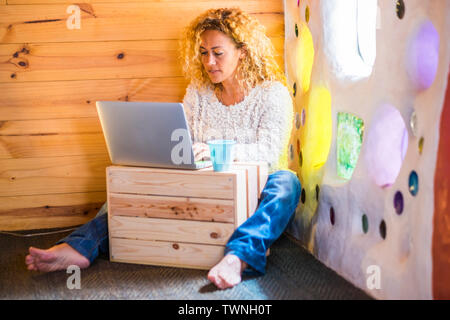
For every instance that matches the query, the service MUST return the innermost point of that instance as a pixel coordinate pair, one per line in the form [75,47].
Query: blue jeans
[249,241]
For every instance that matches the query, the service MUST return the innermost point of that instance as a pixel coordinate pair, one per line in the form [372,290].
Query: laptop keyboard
[203,163]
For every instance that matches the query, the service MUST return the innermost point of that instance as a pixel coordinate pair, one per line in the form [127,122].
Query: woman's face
[219,55]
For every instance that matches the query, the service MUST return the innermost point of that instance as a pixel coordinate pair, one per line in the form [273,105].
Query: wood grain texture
[76,99]
[53,175]
[52,145]
[176,190]
[94,60]
[122,21]
[181,208]
[91,1]
[251,185]
[262,172]
[53,216]
[49,127]
[170,230]
[172,254]
[165,182]
[240,196]
[49,201]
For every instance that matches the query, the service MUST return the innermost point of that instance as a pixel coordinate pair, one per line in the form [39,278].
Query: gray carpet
[292,273]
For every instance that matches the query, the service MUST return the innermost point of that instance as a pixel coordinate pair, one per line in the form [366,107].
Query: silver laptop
[147,134]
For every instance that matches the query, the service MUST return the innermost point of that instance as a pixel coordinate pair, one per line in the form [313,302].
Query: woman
[236,91]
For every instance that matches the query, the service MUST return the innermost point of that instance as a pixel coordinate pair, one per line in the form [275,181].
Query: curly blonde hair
[259,63]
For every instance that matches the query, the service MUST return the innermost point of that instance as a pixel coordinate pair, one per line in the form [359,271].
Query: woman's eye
[203,53]
[218,53]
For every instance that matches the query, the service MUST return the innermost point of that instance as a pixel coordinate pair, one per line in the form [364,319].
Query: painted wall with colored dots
[369,83]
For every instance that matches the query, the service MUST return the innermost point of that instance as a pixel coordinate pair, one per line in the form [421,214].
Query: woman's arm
[274,129]
[190,101]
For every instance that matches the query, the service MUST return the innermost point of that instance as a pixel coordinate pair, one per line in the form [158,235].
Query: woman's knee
[290,183]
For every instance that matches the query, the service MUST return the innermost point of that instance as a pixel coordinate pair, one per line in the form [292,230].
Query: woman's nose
[210,60]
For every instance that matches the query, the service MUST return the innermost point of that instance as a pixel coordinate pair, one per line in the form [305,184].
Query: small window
[350,37]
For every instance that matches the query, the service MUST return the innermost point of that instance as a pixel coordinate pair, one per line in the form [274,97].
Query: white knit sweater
[260,124]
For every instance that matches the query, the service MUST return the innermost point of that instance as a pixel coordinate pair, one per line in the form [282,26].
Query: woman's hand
[201,151]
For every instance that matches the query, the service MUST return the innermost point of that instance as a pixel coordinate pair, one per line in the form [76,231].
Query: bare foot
[227,273]
[58,257]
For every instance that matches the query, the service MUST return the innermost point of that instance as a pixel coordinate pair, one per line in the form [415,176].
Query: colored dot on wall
[296,30]
[317,192]
[298,3]
[423,56]
[303,196]
[413,123]
[388,141]
[332,216]
[421,140]
[398,202]
[400,8]
[300,159]
[295,88]
[297,120]
[307,14]
[365,223]
[413,183]
[303,117]
[298,145]
[383,229]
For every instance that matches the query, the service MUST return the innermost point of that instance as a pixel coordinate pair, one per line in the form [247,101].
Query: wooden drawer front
[252,187]
[170,230]
[170,183]
[174,254]
[181,208]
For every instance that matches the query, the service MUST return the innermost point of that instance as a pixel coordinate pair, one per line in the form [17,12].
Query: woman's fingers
[202,155]
[199,148]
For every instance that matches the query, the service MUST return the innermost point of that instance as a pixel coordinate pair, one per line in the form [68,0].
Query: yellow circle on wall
[317,132]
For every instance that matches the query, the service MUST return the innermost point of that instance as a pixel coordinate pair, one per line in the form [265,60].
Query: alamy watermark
[373,280]
[73,281]
[74,20]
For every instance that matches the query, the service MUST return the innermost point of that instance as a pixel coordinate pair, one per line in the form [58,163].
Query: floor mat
[292,273]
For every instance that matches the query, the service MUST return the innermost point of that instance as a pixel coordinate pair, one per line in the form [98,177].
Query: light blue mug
[222,154]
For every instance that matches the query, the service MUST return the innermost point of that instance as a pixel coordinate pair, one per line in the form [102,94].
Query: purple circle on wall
[386,145]
[424,56]
[398,202]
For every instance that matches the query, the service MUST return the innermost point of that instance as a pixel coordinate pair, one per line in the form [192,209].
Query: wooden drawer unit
[180,218]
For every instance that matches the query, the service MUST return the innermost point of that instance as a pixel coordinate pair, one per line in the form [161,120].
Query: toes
[220,283]
[226,273]
[29,259]
[33,251]
[42,255]
[230,280]
[223,280]
[31,267]
[212,273]
[214,278]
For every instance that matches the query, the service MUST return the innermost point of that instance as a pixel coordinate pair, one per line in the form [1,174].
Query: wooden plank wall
[52,151]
